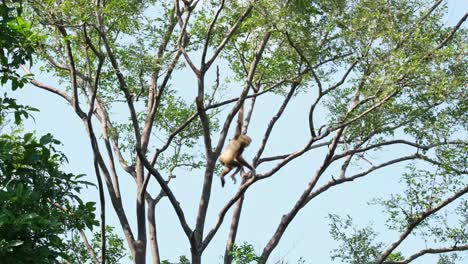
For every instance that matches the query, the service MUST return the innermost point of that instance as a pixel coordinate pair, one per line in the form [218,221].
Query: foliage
[182,260]
[16,44]
[357,246]
[39,203]
[244,254]
[381,76]
[115,249]
[10,106]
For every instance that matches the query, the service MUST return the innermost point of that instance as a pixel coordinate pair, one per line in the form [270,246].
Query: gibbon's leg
[242,161]
[227,169]
[233,176]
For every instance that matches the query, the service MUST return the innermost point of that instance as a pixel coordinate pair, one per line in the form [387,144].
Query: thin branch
[206,189]
[413,224]
[183,39]
[150,120]
[240,101]
[231,32]
[287,218]
[116,202]
[378,145]
[225,209]
[303,57]
[71,60]
[238,207]
[452,33]
[339,181]
[419,23]
[210,30]
[82,233]
[428,251]
[273,122]
[47,87]
[279,157]
[425,158]
[155,94]
[175,204]
[121,79]
[61,66]
[88,247]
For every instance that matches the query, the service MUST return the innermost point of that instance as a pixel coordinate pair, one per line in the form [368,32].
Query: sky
[308,235]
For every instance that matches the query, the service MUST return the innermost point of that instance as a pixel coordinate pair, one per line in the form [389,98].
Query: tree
[36,201]
[381,75]
[39,203]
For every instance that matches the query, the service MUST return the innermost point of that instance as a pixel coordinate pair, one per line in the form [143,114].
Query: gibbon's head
[245,140]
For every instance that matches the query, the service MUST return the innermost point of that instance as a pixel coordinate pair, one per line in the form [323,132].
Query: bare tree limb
[339,181]
[208,177]
[287,218]
[175,204]
[71,60]
[47,87]
[210,30]
[273,122]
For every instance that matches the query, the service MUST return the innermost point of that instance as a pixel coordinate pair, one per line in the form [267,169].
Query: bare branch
[225,209]
[240,101]
[452,33]
[71,60]
[121,79]
[303,57]
[47,87]
[210,29]
[273,122]
[65,68]
[273,158]
[339,181]
[175,204]
[287,218]
[380,144]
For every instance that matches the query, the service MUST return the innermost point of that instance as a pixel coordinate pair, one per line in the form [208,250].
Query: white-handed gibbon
[232,157]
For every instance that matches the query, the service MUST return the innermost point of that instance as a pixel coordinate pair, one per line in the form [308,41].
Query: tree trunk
[196,257]
[140,252]
[233,230]
[152,233]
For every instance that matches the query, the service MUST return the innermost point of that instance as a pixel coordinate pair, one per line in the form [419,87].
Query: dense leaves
[16,44]
[38,202]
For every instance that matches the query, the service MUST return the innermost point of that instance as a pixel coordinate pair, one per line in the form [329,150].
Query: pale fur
[232,150]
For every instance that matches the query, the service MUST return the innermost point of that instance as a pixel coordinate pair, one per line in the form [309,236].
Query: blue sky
[265,202]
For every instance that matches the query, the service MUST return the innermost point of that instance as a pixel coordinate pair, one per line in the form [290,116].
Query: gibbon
[232,157]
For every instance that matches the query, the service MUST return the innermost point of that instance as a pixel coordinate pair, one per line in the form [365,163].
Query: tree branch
[413,224]
[428,251]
